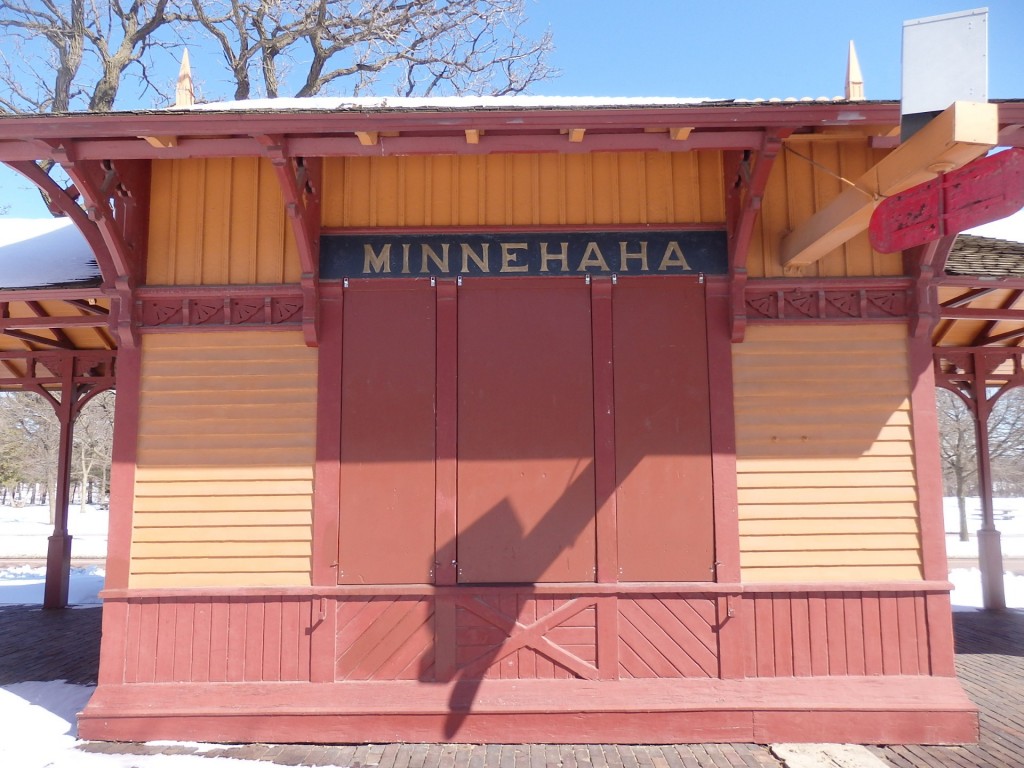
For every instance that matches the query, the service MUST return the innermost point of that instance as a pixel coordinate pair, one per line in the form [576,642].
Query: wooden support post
[58,553]
[990,552]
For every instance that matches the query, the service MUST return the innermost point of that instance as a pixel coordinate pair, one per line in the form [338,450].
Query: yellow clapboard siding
[865,431]
[257,342]
[229,519]
[828,558]
[857,333]
[769,449]
[846,509]
[155,416]
[183,565]
[219,549]
[217,534]
[237,425]
[886,352]
[225,460]
[834,525]
[787,390]
[857,464]
[239,443]
[163,404]
[252,456]
[145,474]
[846,542]
[815,574]
[816,408]
[188,580]
[219,221]
[247,503]
[824,447]
[524,190]
[848,479]
[225,487]
[300,365]
[798,496]
[814,415]
[227,381]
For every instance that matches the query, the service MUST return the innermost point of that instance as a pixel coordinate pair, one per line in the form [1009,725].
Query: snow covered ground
[37,719]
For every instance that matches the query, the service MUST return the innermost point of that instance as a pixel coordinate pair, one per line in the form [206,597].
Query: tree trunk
[961,500]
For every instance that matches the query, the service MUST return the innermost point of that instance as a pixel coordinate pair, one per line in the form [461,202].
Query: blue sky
[722,49]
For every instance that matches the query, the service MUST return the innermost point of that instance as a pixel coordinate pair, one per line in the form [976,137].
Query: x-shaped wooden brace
[529,636]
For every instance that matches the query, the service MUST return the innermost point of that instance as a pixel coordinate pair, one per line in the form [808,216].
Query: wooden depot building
[517,419]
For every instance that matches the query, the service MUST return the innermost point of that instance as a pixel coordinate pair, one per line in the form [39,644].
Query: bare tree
[958,446]
[72,55]
[93,443]
[60,56]
[418,47]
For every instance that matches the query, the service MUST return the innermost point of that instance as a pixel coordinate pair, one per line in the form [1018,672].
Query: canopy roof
[43,307]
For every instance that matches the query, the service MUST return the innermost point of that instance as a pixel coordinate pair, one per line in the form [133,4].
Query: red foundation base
[880,710]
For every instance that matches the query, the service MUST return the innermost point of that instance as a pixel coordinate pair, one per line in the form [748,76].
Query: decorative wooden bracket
[299,179]
[108,214]
[923,264]
[746,178]
[963,132]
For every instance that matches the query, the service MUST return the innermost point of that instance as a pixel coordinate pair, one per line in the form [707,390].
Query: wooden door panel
[526,432]
[662,431]
[387,436]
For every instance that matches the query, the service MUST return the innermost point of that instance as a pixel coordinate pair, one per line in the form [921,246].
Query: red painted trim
[941,650]
[446,437]
[327,493]
[604,430]
[122,471]
[514,229]
[850,709]
[676,589]
[927,464]
[991,283]
[723,431]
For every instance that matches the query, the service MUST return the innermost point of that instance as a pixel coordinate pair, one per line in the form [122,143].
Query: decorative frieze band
[224,308]
[825,303]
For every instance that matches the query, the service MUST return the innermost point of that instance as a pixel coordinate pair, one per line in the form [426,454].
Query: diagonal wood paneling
[385,638]
[667,637]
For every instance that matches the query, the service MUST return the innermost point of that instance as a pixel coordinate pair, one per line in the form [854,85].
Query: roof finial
[854,78]
[184,94]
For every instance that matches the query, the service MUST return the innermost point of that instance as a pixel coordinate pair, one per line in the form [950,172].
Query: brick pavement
[64,645]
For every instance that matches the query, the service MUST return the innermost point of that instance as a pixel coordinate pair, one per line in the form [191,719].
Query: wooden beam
[473,135]
[161,142]
[576,135]
[680,134]
[965,131]
[368,138]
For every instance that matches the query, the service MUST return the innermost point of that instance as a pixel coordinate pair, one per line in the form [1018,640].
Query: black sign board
[534,253]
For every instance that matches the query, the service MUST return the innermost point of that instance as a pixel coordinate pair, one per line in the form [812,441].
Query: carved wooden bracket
[299,179]
[111,216]
[746,179]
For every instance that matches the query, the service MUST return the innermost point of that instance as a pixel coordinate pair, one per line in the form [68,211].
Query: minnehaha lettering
[514,257]
[664,253]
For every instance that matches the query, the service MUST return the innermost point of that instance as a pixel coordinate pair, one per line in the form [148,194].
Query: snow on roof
[39,253]
[451,103]
[357,103]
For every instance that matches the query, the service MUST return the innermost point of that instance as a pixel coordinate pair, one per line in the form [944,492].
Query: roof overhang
[430,130]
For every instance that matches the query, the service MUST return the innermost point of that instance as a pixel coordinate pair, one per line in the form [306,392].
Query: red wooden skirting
[510,663]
